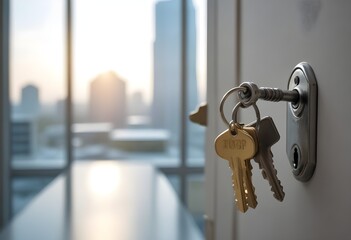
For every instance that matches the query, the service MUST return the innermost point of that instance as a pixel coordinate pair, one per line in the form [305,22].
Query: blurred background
[134,82]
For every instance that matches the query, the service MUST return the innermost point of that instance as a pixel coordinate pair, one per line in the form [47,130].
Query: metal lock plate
[301,127]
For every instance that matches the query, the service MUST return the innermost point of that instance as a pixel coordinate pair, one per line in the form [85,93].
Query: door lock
[301,120]
[301,123]
[301,117]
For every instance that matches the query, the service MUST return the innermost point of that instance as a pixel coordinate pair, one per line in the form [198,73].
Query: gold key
[238,149]
[250,190]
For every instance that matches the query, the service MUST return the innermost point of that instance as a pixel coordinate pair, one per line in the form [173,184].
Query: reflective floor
[105,200]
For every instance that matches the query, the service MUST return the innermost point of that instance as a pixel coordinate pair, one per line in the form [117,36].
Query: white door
[272,37]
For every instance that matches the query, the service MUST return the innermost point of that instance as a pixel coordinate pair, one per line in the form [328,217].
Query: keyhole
[296,158]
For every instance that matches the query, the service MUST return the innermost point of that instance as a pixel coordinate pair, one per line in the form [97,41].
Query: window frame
[183,170]
[7,172]
[5,114]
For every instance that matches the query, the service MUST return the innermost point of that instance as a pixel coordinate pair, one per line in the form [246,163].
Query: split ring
[225,96]
[240,104]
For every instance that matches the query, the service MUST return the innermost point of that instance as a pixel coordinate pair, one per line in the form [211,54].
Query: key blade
[236,148]
[249,188]
[238,184]
[267,136]
[270,173]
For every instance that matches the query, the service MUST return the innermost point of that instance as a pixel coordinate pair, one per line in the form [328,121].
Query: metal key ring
[225,96]
[240,104]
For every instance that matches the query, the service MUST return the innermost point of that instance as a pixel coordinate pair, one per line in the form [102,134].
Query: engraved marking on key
[268,135]
[237,149]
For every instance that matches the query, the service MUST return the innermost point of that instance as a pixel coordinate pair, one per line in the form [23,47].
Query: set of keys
[241,143]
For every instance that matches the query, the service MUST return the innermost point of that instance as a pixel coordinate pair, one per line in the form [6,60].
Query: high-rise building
[61,107]
[108,99]
[167,65]
[30,103]
[24,143]
[137,105]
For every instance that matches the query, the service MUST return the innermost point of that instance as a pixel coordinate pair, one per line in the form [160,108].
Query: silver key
[268,135]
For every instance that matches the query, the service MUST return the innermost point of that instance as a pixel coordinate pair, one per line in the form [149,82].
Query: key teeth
[253,191]
[280,186]
[282,190]
[259,163]
[264,174]
[279,198]
[254,198]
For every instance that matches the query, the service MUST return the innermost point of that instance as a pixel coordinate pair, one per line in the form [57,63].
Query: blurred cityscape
[113,124]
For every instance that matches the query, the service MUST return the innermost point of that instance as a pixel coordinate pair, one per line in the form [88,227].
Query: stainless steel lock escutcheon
[301,125]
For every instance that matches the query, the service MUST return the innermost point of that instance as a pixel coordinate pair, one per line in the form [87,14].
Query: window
[127,80]
[37,92]
[138,70]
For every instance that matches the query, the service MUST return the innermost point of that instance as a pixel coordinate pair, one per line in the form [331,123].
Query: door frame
[223,73]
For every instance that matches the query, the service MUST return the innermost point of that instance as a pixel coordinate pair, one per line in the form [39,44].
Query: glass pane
[38,83]
[196,198]
[196,77]
[24,189]
[127,80]
[175,182]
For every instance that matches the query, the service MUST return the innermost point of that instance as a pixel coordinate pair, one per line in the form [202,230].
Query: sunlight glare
[104,179]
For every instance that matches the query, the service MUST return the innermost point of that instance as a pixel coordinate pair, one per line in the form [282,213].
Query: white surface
[109,200]
[276,35]
[221,77]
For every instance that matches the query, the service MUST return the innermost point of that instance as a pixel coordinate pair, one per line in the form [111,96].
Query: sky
[103,32]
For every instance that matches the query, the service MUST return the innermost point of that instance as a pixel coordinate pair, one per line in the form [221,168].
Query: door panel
[221,75]
[275,36]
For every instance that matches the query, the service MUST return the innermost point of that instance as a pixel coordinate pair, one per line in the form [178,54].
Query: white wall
[276,35]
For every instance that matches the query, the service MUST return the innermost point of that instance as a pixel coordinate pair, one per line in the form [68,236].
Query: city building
[108,99]
[84,134]
[24,143]
[127,175]
[167,94]
[137,105]
[30,102]
[140,140]
[61,107]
